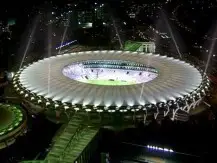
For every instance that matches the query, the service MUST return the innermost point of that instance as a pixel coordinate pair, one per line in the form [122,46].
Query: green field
[132,45]
[10,117]
[5,118]
[109,82]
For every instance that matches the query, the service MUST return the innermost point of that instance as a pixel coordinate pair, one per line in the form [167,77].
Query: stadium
[12,124]
[113,81]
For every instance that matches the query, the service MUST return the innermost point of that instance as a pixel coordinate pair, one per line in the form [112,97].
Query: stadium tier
[12,124]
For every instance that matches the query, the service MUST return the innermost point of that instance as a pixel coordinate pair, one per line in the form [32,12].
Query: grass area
[10,117]
[131,46]
[109,82]
[5,118]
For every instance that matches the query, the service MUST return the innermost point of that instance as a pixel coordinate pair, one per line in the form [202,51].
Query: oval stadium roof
[175,79]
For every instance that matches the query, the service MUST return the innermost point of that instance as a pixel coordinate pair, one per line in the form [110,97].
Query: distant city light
[66,44]
[159,149]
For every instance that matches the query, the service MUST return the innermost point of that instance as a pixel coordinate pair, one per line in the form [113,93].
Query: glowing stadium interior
[108,72]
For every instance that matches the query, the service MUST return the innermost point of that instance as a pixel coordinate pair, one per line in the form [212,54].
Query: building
[147,47]
[90,15]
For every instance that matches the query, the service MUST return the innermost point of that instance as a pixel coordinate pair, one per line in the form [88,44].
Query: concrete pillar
[154,48]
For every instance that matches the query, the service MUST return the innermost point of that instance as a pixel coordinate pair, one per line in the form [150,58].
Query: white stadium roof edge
[176,79]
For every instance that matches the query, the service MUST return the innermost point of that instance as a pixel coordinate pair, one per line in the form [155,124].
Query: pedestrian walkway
[71,143]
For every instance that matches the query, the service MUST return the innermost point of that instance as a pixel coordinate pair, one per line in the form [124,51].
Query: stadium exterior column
[145,47]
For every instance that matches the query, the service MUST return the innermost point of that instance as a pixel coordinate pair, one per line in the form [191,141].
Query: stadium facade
[108,82]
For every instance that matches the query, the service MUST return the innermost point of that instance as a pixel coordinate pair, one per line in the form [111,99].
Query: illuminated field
[10,117]
[109,72]
[12,124]
[109,82]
